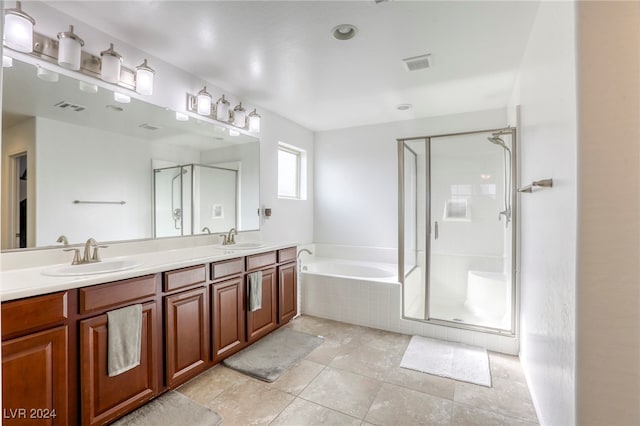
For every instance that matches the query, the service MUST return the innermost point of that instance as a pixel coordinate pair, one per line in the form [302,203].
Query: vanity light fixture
[222,109]
[7,61]
[46,75]
[204,100]
[239,116]
[18,29]
[144,79]
[254,121]
[181,117]
[69,49]
[111,63]
[119,97]
[87,87]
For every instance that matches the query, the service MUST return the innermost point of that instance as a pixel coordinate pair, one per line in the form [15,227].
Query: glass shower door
[470,239]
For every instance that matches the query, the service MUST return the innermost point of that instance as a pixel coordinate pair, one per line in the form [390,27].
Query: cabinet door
[104,398]
[34,378]
[288,293]
[264,320]
[227,304]
[186,334]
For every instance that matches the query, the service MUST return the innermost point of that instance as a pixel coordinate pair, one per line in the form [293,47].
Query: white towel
[255,291]
[124,337]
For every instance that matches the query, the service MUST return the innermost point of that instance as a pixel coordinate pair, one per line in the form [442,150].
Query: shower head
[498,141]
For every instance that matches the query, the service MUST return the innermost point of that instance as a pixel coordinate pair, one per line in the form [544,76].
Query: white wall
[548,140]
[356,177]
[608,351]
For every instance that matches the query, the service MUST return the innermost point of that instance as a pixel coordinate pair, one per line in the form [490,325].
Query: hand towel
[124,339]
[255,291]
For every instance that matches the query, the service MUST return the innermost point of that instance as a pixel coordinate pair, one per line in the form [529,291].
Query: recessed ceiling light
[344,32]
[404,107]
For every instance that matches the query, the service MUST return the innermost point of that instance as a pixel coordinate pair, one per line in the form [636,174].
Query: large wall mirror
[77,163]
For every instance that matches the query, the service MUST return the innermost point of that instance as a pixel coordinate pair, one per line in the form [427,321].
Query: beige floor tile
[250,403]
[208,385]
[298,377]
[506,367]
[464,415]
[397,405]
[384,340]
[507,397]
[343,391]
[302,412]
[441,387]
[368,361]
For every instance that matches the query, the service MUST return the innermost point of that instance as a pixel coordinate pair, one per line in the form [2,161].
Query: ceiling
[281,54]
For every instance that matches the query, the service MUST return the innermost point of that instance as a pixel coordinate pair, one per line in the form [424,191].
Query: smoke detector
[417,62]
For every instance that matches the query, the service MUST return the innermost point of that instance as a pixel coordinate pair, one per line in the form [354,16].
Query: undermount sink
[241,246]
[91,268]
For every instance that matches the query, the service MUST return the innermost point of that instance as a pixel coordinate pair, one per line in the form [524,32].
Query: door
[288,293]
[264,320]
[186,331]
[470,214]
[227,304]
[105,398]
[34,378]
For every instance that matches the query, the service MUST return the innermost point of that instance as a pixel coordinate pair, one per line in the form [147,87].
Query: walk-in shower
[457,229]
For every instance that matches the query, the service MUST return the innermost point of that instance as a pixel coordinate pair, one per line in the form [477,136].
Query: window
[292,172]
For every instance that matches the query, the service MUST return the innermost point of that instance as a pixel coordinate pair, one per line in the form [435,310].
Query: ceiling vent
[69,106]
[148,126]
[417,62]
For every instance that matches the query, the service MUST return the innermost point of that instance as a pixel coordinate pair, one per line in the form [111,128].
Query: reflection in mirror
[79,164]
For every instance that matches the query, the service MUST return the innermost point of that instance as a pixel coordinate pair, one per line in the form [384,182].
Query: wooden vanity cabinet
[104,398]
[264,320]
[288,285]
[34,360]
[186,324]
[227,308]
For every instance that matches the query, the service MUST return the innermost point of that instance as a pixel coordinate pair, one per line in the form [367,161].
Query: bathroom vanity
[54,344]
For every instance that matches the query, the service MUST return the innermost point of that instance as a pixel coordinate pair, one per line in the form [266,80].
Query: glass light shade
[254,122]
[119,97]
[46,75]
[204,102]
[7,61]
[111,64]
[144,79]
[239,116]
[69,49]
[181,117]
[234,132]
[18,29]
[222,109]
[87,87]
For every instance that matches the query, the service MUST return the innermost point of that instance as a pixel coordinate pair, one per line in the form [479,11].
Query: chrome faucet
[87,257]
[206,229]
[304,250]
[230,237]
[63,239]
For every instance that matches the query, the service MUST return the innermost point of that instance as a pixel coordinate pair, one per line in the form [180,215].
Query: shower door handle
[435,230]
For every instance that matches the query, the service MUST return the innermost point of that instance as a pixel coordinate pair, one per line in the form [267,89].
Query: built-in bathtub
[351,269]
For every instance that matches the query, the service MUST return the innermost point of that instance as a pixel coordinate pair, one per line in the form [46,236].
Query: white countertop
[27,282]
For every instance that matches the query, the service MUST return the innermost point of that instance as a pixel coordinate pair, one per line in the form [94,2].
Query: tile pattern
[354,378]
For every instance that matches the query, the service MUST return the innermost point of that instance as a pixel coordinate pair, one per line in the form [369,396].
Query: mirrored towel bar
[98,202]
[544,183]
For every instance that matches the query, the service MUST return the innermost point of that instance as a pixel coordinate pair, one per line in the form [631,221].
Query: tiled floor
[354,378]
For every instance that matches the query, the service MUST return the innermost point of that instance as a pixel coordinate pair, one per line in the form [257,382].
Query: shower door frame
[515,306]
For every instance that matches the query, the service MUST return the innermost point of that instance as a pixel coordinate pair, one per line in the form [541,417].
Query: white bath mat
[454,360]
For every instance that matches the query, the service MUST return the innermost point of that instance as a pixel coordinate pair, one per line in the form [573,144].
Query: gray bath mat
[172,408]
[447,359]
[274,354]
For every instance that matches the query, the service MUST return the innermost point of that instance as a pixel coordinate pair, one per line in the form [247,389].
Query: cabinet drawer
[261,260]
[33,313]
[287,255]
[180,278]
[227,268]
[104,296]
